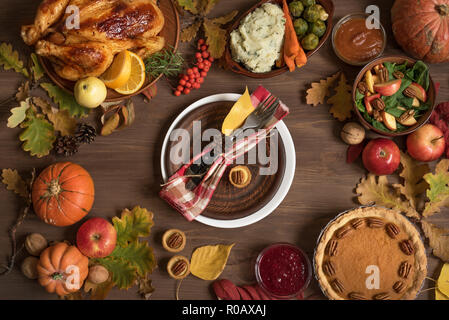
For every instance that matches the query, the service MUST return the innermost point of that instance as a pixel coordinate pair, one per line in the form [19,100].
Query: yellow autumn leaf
[443,280]
[341,101]
[439,295]
[438,192]
[238,114]
[208,262]
[320,90]
[187,34]
[215,38]
[438,240]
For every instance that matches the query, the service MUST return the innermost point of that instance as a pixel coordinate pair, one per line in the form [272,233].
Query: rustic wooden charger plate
[229,202]
[170,32]
[236,67]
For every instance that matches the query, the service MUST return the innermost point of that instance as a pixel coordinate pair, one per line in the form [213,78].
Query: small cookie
[240,176]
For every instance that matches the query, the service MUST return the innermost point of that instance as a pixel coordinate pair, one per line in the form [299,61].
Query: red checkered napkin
[191,203]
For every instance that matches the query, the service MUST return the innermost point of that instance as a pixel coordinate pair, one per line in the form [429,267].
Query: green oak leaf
[133,224]
[9,59]
[18,114]
[36,68]
[189,5]
[38,136]
[123,274]
[65,100]
[137,254]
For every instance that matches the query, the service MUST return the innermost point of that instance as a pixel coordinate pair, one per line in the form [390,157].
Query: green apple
[90,92]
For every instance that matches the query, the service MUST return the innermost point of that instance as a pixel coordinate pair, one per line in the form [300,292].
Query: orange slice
[137,78]
[119,72]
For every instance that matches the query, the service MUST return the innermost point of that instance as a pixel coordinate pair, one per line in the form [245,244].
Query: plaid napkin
[192,202]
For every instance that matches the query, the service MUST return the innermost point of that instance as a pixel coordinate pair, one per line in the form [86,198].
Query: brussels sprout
[301,27]
[308,3]
[318,28]
[310,41]
[323,13]
[296,8]
[312,13]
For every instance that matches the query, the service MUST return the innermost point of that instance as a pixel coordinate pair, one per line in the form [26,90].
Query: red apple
[426,144]
[388,88]
[381,156]
[96,238]
[419,91]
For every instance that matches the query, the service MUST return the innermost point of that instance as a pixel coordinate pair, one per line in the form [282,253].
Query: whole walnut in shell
[98,274]
[29,267]
[35,243]
[352,133]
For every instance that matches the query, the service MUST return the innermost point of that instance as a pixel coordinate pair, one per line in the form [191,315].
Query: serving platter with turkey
[106,28]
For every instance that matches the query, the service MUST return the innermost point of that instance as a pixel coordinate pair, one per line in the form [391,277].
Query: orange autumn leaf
[342,100]
[320,90]
[294,54]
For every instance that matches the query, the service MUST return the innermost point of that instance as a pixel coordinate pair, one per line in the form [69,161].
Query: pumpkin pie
[370,253]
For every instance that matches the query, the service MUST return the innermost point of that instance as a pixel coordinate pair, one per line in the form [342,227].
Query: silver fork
[258,117]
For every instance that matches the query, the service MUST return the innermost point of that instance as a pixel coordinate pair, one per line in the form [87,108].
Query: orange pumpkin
[62,269]
[63,194]
[421,27]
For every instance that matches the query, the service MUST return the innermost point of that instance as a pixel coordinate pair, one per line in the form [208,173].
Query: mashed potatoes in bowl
[257,42]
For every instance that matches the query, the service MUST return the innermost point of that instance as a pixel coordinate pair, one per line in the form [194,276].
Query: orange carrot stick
[294,54]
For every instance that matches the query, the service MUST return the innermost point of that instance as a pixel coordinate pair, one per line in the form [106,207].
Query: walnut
[35,243]
[98,274]
[353,133]
[29,267]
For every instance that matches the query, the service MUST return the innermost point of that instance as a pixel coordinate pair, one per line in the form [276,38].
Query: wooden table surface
[126,168]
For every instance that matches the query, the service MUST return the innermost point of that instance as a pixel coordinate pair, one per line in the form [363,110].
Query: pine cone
[66,146]
[85,133]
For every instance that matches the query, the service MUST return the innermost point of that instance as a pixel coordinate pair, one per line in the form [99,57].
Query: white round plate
[289,171]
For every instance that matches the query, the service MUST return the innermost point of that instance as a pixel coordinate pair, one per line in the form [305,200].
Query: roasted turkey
[106,27]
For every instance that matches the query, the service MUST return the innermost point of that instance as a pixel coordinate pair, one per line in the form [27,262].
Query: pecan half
[399,286]
[375,223]
[398,75]
[392,230]
[404,269]
[357,223]
[337,286]
[382,296]
[384,75]
[406,115]
[175,240]
[179,268]
[329,268]
[409,93]
[332,248]
[378,104]
[344,231]
[407,247]
[356,296]
[377,116]
[363,87]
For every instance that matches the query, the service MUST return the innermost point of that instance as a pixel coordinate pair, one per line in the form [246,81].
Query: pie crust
[366,241]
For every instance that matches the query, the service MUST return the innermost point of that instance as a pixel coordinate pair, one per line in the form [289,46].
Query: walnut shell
[352,133]
[98,274]
[29,267]
[35,243]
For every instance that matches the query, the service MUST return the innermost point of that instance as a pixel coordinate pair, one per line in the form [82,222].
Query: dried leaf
[150,93]
[9,59]
[36,68]
[23,92]
[63,122]
[189,5]
[207,6]
[208,262]
[215,38]
[106,106]
[65,100]
[187,34]
[14,182]
[438,192]
[133,224]
[413,174]
[226,18]
[72,296]
[98,291]
[146,288]
[438,240]
[111,124]
[38,136]
[443,281]
[342,100]
[18,114]
[379,192]
[320,90]
[44,105]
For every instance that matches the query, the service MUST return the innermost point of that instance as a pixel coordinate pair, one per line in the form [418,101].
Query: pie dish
[365,241]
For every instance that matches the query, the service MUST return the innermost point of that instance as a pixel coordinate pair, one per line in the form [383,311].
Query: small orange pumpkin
[63,194]
[62,269]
